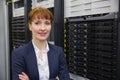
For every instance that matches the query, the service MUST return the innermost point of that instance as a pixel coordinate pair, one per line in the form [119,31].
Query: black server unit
[102,49]
[75,46]
[18,31]
[92,46]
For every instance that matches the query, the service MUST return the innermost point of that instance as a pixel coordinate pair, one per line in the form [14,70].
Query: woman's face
[40,29]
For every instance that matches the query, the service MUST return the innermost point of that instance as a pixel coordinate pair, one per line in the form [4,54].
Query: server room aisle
[88,31]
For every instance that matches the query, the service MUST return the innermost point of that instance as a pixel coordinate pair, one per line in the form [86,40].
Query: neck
[40,44]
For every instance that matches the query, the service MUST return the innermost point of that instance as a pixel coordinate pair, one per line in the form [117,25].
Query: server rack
[92,46]
[75,46]
[19,31]
[102,49]
[91,38]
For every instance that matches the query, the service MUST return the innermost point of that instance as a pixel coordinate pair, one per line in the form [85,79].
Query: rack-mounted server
[92,46]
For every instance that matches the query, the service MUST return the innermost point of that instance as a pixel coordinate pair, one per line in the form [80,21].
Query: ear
[29,25]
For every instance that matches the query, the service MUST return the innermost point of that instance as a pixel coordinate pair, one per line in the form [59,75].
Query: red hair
[39,13]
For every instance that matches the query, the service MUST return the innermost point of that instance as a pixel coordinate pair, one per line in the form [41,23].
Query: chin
[42,39]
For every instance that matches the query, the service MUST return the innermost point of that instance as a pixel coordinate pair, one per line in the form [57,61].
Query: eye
[37,23]
[47,23]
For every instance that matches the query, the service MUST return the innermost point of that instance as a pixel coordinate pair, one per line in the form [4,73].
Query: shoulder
[23,49]
[55,47]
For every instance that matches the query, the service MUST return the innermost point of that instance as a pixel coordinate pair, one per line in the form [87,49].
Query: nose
[42,27]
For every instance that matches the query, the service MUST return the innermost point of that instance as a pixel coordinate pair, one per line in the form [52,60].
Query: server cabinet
[91,38]
[92,46]
[102,49]
[19,29]
[75,46]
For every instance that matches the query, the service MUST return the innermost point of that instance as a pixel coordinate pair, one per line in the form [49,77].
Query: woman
[39,60]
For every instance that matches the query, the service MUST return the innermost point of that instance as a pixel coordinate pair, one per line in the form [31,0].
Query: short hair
[39,13]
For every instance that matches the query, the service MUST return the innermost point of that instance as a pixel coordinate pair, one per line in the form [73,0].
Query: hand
[23,76]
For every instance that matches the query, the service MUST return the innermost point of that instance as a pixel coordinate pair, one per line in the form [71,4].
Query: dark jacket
[24,60]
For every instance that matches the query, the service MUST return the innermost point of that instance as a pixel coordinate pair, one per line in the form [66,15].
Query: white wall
[4,55]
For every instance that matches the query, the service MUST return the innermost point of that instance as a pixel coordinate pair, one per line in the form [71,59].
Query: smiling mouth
[42,34]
